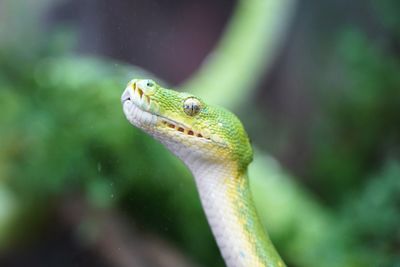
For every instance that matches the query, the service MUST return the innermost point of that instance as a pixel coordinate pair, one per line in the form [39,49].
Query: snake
[212,142]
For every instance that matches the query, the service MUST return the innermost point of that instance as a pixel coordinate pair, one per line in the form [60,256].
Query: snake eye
[191,106]
[149,84]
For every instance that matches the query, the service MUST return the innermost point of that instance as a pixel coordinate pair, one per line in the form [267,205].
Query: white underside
[221,213]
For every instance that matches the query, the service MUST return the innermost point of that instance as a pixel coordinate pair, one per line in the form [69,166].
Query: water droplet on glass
[99,167]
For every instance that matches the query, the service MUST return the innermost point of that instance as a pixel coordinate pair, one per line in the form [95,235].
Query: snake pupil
[191,106]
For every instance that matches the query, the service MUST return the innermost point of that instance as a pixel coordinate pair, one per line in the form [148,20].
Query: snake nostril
[125,96]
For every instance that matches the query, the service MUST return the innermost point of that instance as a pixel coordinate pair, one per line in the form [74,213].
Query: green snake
[213,144]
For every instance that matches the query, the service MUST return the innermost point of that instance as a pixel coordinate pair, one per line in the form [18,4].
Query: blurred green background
[317,85]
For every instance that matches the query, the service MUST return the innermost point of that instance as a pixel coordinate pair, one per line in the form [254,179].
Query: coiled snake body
[212,142]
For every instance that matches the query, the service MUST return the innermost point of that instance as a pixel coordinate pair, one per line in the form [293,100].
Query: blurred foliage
[363,129]
[372,218]
[388,16]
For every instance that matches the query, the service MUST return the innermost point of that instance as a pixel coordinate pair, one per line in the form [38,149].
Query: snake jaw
[181,129]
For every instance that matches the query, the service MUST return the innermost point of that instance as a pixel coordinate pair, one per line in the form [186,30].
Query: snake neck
[228,204]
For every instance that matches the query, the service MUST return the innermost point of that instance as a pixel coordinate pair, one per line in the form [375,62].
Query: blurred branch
[286,207]
[246,49]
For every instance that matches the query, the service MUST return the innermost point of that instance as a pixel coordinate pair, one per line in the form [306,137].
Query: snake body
[213,144]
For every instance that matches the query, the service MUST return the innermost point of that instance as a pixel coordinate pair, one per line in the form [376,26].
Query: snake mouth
[182,129]
[138,107]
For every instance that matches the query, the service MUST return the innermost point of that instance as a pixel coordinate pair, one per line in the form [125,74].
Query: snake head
[193,130]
